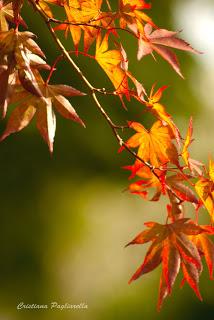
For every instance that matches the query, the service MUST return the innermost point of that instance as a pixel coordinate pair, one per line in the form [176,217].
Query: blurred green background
[65,219]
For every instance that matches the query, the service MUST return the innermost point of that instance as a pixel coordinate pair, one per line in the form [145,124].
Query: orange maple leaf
[205,247]
[159,111]
[149,180]
[160,183]
[154,146]
[131,14]
[85,17]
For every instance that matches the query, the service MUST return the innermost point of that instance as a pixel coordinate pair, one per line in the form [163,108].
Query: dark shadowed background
[65,219]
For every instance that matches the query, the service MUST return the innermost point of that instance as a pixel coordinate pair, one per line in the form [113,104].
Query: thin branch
[67,56]
[86,24]
[108,4]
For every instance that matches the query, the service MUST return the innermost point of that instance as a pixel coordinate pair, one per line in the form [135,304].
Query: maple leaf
[85,12]
[172,247]
[183,192]
[158,41]
[111,62]
[194,165]
[150,180]
[159,110]
[52,95]
[75,30]
[7,15]
[205,247]
[187,142]
[205,189]
[44,5]
[5,79]
[155,145]
[20,49]
[160,182]
[19,56]
[130,15]
[178,193]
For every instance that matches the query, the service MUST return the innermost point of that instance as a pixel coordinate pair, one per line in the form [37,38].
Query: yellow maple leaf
[194,165]
[211,170]
[159,111]
[85,17]
[85,11]
[154,146]
[111,62]
[205,189]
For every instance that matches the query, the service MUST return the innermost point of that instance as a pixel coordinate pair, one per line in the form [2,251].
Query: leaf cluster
[162,164]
